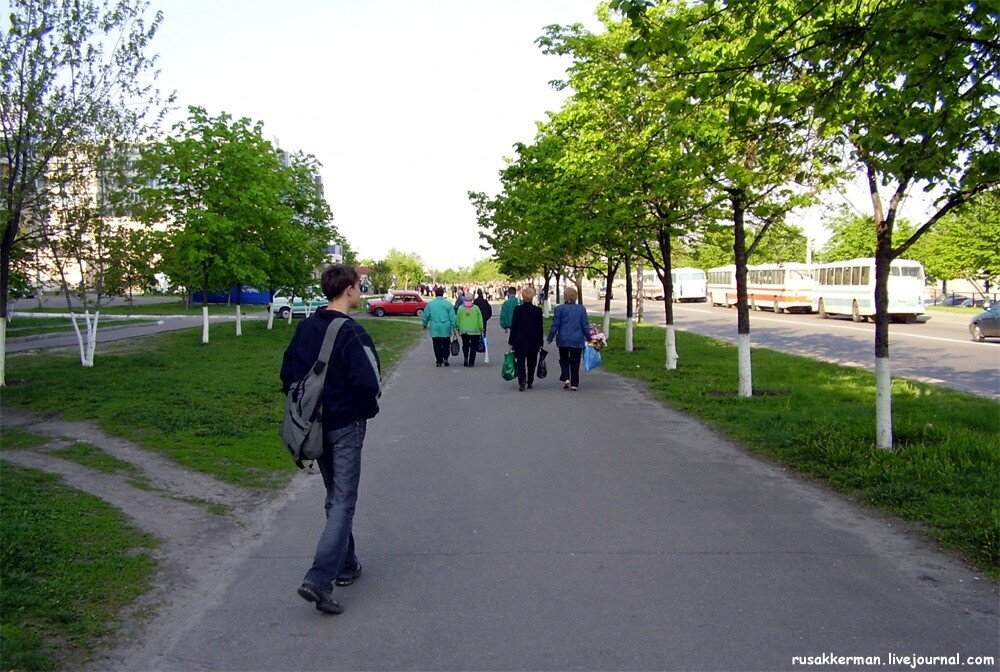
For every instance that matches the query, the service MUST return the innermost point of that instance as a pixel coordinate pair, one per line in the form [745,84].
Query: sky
[408,105]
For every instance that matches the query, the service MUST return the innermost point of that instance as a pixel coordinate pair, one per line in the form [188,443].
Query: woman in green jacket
[469,321]
[440,315]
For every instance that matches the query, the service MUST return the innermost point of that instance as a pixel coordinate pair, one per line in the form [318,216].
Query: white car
[282,307]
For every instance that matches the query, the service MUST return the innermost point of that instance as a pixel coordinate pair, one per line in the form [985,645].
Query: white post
[270,316]
[628,334]
[239,320]
[746,377]
[289,314]
[883,403]
[204,324]
[671,346]
[607,325]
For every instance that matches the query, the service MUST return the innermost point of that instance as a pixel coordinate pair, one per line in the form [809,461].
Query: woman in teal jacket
[469,321]
[440,315]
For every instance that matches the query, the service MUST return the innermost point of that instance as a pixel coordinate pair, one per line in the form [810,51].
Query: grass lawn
[68,564]
[820,419]
[215,408]
[954,309]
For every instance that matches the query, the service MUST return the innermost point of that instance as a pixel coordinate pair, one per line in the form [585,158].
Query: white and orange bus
[778,287]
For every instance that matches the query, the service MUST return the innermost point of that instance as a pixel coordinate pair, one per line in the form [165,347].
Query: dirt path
[174,504]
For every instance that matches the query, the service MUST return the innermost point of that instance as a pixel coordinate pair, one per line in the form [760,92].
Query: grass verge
[171,307]
[215,408]
[13,438]
[820,419]
[68,564]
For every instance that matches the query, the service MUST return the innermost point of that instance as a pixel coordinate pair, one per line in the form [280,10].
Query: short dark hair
[337,278]
[511,291]
[439,291]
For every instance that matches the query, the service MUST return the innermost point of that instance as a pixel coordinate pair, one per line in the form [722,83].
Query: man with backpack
[350,397]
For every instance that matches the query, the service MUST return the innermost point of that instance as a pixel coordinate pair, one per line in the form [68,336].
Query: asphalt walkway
[547,529]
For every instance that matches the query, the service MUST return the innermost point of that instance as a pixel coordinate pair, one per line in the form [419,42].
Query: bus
[780,287]
[848,288]
[689,284]
[652,288]
[721,285]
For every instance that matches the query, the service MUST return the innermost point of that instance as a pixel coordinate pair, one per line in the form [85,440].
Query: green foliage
[943,472]
[68,564]
[854,237]
[214,408]
[73,76]
[405,270]
[964,243]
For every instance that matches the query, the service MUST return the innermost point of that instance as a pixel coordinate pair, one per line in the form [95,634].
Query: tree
[964,243]
[221,187]
[404,268]
[71,74]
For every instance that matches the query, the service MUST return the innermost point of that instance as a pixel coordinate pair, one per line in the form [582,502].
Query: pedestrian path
[549,529]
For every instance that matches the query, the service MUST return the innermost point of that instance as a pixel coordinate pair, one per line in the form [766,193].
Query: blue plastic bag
[591,358]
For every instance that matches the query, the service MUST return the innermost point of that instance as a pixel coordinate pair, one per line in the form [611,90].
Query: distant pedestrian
[507,309]
[350,398]
[571,329]
[484,307]
[469,321]
[440,315]
[460,298]
[526,338]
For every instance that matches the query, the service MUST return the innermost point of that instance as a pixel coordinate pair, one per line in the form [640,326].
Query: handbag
[455,347]
[508,371]
[543,369]
[481,344]
[591,358]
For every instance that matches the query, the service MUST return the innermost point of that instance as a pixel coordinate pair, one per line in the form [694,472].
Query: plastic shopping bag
[486,350]
[591,358]
[543,369]
[508,371]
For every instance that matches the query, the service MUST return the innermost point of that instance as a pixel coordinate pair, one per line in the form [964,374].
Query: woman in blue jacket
[571,331]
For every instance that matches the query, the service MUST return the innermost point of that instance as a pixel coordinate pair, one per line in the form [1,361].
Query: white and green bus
[848,288]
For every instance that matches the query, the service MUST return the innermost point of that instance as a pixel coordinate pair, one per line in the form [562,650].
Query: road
[590,530]
[937,349]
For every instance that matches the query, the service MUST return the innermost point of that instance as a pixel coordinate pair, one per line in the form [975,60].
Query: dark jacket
[484,308]
[352,383]
[526,329]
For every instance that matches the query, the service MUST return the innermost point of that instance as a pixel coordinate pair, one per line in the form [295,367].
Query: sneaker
[565,384]
[323,599]
[572,389]
[347,578]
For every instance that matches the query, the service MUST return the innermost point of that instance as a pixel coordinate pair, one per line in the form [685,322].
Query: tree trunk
[883,375]
[628,304]
[546,304]
[737,198]
[579,287]
[639,289]
[204,324]
[3,351]
[239,320]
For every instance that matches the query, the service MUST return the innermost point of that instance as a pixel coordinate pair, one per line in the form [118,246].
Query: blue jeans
[340,465]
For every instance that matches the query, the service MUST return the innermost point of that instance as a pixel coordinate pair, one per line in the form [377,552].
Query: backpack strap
[326,350]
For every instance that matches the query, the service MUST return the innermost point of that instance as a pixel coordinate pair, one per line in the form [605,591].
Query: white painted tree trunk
[204,324]
[883,403]
[289,316]
[88,342]
[746,377]
[548,308]
[239,321]
[628,334]
[3,351]
[671,346]
[270,316]
[607,325]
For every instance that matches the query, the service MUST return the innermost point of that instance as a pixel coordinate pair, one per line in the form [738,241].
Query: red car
[398,302]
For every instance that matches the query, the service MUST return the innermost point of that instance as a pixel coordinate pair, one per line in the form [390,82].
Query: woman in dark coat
[526,338]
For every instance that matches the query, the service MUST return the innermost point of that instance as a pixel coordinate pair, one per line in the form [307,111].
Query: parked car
[297,306]
[398,302]
[986,324]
